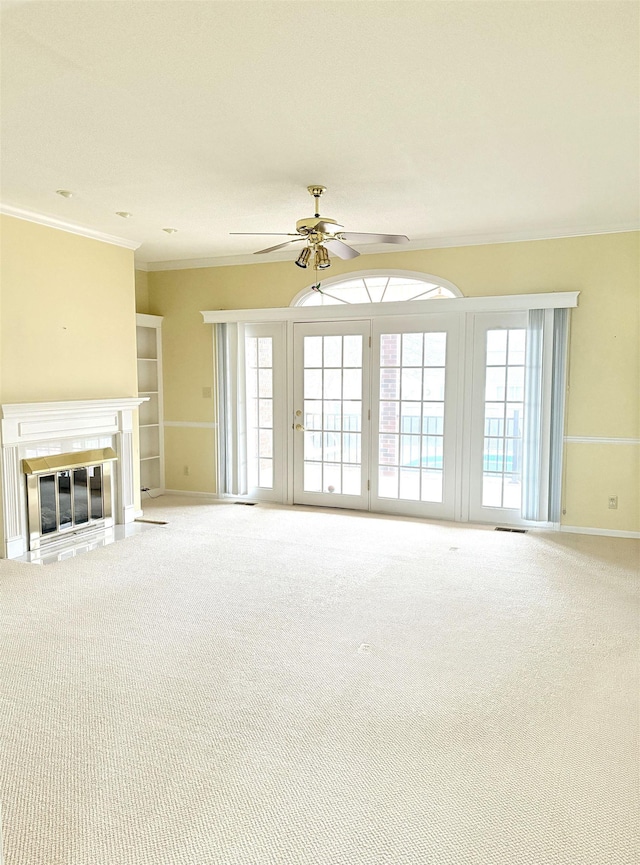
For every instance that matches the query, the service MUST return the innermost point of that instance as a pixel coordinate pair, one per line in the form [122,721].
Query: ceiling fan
[324,235]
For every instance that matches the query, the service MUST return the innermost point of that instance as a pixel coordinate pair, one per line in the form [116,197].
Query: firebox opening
[68,493]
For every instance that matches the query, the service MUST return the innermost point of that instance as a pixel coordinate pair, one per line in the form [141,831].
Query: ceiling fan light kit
[303,259]
[323,235]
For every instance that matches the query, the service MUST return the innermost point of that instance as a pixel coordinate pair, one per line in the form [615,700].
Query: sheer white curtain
[232,409]
[558,393]
[545,372]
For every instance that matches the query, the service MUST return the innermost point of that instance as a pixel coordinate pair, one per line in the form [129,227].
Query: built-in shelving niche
[149,350]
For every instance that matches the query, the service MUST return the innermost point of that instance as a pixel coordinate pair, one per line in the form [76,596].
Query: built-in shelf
[149,342]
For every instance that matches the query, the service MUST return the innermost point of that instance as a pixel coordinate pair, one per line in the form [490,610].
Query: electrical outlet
[613,502]
[186,471]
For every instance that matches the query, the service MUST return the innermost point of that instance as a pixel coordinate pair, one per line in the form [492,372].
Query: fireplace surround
[53,439]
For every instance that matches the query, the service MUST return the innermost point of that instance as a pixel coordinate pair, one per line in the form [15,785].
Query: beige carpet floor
[282,686]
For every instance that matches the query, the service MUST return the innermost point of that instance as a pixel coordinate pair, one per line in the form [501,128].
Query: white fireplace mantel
[34,429]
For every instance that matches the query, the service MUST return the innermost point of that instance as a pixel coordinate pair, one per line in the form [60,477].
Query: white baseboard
[192,494]
[609,533]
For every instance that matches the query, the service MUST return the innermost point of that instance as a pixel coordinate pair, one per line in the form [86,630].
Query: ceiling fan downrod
[316,191]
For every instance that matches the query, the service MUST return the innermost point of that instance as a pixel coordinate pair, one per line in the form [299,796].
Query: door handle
[299,427]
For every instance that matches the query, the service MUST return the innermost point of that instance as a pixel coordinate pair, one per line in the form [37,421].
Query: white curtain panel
[532,433]
[558,392]
[232,405]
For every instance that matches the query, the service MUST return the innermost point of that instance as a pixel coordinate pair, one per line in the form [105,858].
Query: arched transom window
[374,289]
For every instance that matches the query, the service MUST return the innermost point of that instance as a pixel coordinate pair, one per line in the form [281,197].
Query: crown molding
[412,246]
[61,225]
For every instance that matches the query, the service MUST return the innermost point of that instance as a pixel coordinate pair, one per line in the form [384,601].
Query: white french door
[497,403]
[265,401]
[331,413]
[390,448]
[415,407]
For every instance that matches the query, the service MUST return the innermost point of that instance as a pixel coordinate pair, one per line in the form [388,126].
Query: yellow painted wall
[603,398]
[68,316]
[142,291]
[192,449]
[595,471]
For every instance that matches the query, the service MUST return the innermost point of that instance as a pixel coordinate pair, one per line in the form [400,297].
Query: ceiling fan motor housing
[321,225]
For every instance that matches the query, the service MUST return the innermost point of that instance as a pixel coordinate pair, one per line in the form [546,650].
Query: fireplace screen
[68,492]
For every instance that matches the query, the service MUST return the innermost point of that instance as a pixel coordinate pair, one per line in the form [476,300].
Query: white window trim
[383,273]
[346,311]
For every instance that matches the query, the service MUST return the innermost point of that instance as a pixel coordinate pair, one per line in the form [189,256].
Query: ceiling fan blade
[279,246]
[367,237]
[341,249]
[271,233]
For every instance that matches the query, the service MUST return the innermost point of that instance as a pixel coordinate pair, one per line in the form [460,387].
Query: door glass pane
[433,418]
[332,477]
[503,413]
[332,388]
[412,349]
[353,351]
[313,384]
[431,486]
[332,351]
[410,484]
[351,480]
[388,450]
[352,415]
[388,482]
[313,414]
[352,379]
[412,394]
[332,417]
[313,477]
[312,351]
[390,383]
[496,347]
[333,414]
[265,352]
[259,386]
[265,474]
[411,383]
[389,417]
[435,349]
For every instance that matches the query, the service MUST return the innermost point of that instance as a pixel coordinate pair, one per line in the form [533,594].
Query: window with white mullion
[503,415]
[332,413]
[373,289]
[260,413]
[410,447]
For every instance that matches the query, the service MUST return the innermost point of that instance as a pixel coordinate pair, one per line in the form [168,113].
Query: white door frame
[451,324]
[474,431]
[275,331]
[339,328]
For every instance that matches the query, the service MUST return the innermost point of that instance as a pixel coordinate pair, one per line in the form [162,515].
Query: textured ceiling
[447,121]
